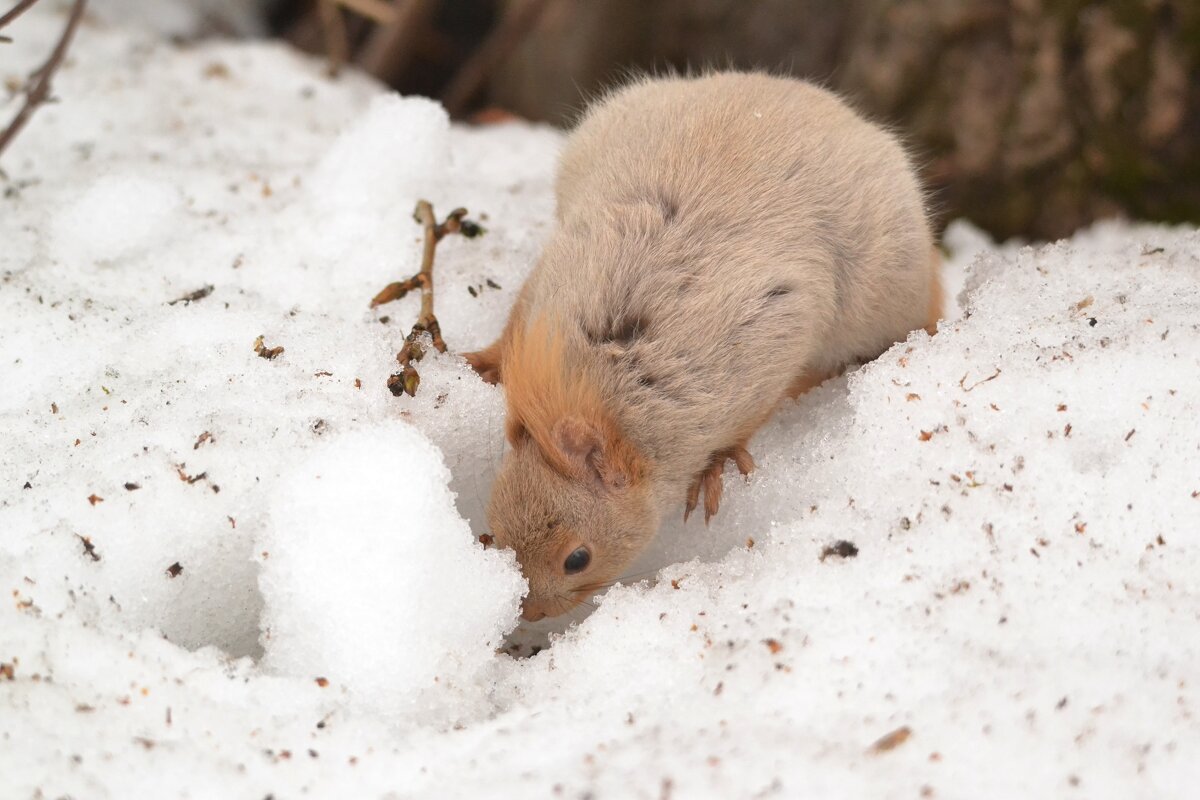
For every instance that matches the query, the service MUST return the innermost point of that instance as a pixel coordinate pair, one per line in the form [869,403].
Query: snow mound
[398,141]
[967,568]
[371,578]
[116,217]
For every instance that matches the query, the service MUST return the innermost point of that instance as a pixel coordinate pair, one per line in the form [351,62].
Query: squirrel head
[572,498]
[576,518]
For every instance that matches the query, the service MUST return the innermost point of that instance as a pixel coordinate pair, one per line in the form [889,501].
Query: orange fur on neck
[542,388]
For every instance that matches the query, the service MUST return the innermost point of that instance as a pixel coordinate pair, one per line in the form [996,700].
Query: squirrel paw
[486,363]
[709,479]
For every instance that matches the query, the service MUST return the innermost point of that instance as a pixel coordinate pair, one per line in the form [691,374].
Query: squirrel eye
[577,561]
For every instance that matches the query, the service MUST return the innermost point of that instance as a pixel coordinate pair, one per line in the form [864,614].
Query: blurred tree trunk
[1032,117]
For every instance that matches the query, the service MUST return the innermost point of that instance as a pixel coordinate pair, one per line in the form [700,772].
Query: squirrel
[722,243]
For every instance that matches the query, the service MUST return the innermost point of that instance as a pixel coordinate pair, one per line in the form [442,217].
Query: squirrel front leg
[709,479]
[486,362]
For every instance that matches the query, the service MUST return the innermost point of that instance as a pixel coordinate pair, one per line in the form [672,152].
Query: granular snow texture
[970,568]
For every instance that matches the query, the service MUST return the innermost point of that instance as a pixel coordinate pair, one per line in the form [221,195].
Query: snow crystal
[966,568]
[372,579]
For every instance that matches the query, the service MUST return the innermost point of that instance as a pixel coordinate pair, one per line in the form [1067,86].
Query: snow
[370,577]
[185,19]
[118,216]
[238,576]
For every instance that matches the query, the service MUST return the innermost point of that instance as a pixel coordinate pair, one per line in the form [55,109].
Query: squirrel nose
[530,612]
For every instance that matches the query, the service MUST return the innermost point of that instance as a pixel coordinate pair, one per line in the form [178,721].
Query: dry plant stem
[16,11]
[333,26]
[390,48]
[963,379]
[38,91]
[426,321]
[380,11]
[515,26]
[407,379]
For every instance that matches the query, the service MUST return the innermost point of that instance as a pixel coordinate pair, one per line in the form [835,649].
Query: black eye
[577,561]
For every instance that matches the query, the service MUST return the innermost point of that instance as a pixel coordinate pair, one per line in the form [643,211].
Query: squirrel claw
[693,497]
[709,480]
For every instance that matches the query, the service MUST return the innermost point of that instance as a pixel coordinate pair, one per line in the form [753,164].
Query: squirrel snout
[530,612]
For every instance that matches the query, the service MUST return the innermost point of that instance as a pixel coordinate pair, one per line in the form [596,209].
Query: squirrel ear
[580,444]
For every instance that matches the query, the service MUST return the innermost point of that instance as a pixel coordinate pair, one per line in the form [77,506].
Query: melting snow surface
[231,576]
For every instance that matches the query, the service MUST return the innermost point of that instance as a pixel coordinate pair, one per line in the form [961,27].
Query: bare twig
[333,26]
[17,10]
[387,50]
[407,380]
[390,48]
[192,297]
[380,11]
[38,91]
[514,27]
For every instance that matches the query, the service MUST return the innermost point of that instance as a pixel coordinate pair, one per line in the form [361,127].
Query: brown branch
[333,28]
[377,10]
[389,49]
[407,380]
[39,91]
[17,10]
[514,27]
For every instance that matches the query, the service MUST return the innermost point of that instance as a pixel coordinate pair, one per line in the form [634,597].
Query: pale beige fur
[722,243]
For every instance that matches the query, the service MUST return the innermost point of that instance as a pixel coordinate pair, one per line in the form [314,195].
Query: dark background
[1030,117]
